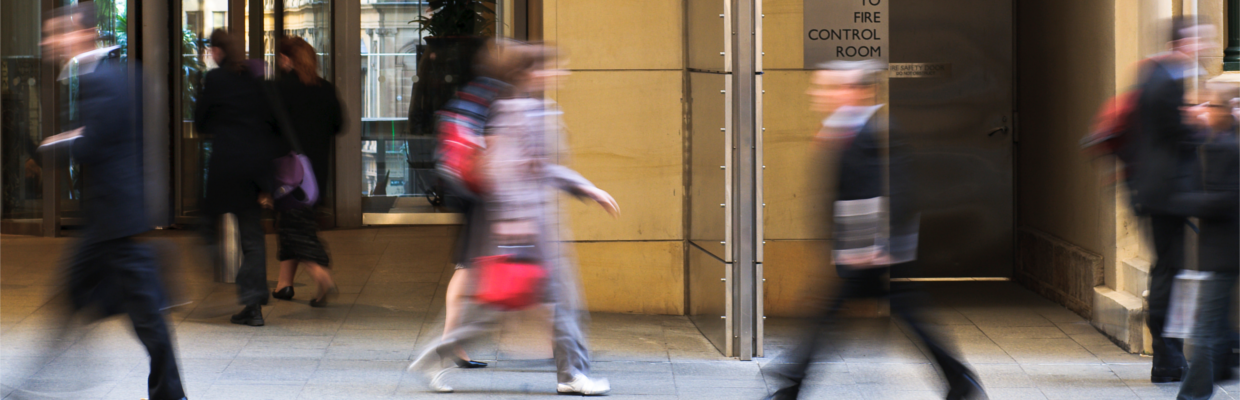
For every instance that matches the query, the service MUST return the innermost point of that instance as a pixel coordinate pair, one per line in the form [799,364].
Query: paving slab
[392,282]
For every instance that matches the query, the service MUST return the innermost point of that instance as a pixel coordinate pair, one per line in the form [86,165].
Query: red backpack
[1115,125]
[460,127]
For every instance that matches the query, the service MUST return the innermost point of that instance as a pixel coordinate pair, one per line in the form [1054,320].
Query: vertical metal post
[236,20]
[346,29]
[49,126]
[255,30]
[1231,55]
[744,145]
[154,48]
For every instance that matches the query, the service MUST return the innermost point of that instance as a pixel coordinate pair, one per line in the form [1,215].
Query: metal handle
[997,130]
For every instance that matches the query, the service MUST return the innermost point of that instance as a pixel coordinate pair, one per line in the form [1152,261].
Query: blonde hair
[510,60]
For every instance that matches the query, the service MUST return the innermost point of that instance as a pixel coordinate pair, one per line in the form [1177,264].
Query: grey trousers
[569,345]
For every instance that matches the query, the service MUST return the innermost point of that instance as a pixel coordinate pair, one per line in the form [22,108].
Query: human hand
[66,135]
[875,258]
[604,199]
[514,232]
[265,200]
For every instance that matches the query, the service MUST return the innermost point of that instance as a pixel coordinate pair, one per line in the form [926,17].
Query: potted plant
[456,29]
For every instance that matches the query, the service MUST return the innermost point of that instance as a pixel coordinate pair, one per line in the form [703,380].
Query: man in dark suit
[875,225]
[1161,165]
[111,272]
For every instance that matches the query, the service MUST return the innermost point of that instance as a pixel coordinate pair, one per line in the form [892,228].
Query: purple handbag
[296,186]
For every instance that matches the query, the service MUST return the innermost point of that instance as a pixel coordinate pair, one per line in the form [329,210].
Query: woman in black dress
[314,109]
[231,109]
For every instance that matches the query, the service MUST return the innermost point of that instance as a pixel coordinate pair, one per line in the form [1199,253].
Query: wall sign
[919,70]
[845,30]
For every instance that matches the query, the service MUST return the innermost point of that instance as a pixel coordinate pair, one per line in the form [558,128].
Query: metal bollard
[230,249]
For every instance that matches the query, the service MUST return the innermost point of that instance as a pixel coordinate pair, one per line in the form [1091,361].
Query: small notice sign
[919,70]
[845,30]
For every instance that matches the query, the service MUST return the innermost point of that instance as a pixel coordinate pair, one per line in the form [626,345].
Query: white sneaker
[437,384]
[584,385]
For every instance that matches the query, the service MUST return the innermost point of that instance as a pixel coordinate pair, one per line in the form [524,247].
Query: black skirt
[299,237]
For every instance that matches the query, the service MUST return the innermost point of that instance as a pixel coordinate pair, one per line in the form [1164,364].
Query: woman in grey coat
[522,179]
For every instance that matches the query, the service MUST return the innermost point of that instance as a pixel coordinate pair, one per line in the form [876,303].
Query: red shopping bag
[507,284]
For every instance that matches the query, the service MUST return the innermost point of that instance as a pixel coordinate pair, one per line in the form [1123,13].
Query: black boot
[789,392]
[250,315]
[1166,375]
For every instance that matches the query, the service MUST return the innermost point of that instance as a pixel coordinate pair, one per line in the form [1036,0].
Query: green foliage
[457,18]
[192,68]
[113,25]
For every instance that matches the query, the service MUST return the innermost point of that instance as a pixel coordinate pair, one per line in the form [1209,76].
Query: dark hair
[305,62]
[83,15]
[234,58]
[1181,26]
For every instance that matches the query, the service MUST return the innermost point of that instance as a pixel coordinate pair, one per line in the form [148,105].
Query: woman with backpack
[316,117]
[519,179]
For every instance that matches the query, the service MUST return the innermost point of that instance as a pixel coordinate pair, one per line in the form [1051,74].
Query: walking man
[111,272]
[1161,163]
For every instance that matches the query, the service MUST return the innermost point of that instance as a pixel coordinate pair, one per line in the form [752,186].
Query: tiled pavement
[392,282]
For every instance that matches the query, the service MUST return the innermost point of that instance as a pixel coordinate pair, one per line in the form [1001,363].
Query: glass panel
[311,20]
[408,74]
[198,19]
[21,129]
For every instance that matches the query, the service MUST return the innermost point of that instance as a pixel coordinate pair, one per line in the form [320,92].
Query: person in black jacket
[1214,199]
[315,113]
[110,270]
[1160,164]
[232,110]
[875,227]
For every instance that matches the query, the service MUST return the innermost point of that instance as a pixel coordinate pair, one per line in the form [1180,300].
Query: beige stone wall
[622,111]
[1067,59]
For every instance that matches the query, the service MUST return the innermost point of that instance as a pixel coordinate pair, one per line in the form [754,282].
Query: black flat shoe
[283,294]
[250,315]
[470,364]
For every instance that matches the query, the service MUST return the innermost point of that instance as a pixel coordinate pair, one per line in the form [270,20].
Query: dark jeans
[905,299]
[252,276]
[1211,342]
[120,275]
[1168,234]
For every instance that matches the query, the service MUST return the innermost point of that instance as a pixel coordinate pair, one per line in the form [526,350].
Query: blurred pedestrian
[465,115]
[876,220]
[232,111]
[314,111]
[111,272]
[1158,169]
[521,176]
[1214,199]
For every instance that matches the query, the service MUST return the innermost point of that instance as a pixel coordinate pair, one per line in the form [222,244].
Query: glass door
[198,19]
[410,68]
